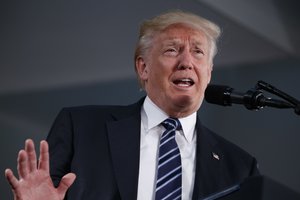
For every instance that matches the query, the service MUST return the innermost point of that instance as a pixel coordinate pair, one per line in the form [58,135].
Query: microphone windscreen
[217,94]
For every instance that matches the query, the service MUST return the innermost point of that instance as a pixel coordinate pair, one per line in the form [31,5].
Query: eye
[199,51]
[171,51]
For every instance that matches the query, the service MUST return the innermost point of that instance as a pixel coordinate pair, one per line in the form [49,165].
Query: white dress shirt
[151,131]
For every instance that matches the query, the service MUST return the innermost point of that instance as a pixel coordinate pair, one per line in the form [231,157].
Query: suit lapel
[124,140]
[208,164]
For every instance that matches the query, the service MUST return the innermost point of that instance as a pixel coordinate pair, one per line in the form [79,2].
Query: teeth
[183,85]
[185,82]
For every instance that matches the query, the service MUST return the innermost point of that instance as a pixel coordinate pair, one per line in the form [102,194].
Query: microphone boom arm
[261,85]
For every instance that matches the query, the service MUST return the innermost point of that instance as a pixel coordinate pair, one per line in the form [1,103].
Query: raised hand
[34,179]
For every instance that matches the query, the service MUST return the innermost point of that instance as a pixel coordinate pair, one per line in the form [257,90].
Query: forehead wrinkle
[172,41]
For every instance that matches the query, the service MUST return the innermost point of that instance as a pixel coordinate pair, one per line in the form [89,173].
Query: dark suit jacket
[101,145]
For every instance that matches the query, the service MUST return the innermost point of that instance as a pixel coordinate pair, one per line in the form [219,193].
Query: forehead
[180,33]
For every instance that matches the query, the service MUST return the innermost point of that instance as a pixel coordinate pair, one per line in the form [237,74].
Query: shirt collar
[154,116]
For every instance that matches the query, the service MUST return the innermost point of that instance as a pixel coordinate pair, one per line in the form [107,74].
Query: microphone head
[218,94]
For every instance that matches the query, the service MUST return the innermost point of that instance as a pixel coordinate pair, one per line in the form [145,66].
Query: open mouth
[184,82]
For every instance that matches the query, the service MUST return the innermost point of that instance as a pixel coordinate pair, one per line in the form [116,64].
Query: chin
[184,100]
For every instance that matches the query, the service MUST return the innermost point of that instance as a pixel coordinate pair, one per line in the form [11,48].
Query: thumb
[66,181]
[12,180]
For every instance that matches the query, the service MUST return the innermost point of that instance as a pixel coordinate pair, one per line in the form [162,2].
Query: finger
[66,181]
[30,149]
[22,164]
[12,180]
[44,156]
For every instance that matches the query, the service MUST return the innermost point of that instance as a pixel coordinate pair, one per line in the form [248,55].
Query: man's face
[176,69]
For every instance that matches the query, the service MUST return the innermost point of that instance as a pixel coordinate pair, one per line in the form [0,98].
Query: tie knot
[172,124]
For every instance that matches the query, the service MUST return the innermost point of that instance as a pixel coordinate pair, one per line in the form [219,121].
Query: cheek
[154,76]
[204,76]
[161,70]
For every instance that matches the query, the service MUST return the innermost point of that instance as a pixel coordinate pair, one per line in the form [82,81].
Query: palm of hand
[36,186]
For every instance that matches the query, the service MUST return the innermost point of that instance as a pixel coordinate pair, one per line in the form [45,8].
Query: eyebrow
[176,41]
[171,42]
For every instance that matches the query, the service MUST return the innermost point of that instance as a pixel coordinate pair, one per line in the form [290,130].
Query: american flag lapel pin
[216,156]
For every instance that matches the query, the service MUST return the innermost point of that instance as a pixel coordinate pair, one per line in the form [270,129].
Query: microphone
[253,99]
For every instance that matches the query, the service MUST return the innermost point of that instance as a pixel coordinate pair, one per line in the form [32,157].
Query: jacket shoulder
[102,110]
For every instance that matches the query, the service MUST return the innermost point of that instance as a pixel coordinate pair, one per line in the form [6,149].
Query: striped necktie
[168,183]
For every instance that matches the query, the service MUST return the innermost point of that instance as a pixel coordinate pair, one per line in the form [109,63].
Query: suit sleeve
[60,140]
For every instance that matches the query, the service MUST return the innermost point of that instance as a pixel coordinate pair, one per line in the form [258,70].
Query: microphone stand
[261,85]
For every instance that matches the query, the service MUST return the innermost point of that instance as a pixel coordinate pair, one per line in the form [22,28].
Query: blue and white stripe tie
[168,183]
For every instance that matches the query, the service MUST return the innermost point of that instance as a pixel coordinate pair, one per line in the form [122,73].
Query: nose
[185,61]
[183,67]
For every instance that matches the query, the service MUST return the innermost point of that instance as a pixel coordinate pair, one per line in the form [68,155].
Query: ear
[209,71]
[141,68]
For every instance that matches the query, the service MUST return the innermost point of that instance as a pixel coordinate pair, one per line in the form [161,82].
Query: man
[116,151]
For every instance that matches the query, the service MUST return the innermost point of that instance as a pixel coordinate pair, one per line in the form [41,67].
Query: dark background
[65,53]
